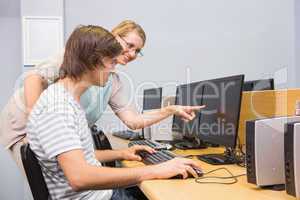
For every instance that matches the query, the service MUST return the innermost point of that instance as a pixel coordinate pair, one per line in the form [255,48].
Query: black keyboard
[217,159]
[152,144]
[162,156]
[157,157]
[127,135]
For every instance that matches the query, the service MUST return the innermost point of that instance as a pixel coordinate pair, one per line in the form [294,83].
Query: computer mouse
[197,170]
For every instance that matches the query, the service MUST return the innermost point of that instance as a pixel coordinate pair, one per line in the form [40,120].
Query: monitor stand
[226,158]
[189,143]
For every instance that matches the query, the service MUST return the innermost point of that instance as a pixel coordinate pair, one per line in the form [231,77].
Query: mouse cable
[233,177]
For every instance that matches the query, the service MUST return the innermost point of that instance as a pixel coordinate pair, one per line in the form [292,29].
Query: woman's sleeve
[48,69]
[121,98]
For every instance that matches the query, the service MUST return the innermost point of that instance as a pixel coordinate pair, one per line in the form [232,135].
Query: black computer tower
[292,158]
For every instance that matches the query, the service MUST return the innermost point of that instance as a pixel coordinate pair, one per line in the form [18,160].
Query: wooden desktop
[188,189]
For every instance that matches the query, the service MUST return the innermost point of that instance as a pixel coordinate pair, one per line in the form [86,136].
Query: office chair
[34,173]
[101,143]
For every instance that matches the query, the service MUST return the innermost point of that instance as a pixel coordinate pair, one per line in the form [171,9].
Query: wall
[42,8]
[198,40]
[11,182]
[12,185]
[297,53]
[10,48]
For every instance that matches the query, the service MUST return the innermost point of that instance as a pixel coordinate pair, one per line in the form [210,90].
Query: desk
[189,190]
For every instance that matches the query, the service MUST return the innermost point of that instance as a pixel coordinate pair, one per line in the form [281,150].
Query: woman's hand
[186,113]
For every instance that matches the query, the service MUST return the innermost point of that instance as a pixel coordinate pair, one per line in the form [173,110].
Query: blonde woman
[132,38]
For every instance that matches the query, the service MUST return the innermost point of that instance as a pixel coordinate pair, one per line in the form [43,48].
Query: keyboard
[127,135]
[152,144]
[162,156]
[157,157]
[217,159]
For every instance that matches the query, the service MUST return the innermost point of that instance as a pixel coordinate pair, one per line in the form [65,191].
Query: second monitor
[188,95]
[219,120]
[152,98]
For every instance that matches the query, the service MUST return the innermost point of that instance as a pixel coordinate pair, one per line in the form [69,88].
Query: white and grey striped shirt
[57,124]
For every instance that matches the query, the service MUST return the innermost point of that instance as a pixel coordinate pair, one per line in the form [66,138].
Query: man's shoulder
[56,99]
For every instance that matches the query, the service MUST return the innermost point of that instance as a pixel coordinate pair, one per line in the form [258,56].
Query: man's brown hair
[85,49]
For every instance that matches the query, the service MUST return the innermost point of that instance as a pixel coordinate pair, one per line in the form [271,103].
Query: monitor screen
[152,98]
[256,85]
[187,94]
[219,120]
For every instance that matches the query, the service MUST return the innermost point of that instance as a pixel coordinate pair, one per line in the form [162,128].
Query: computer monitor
[152,98]
[219,120]
[188,95]
[182,92]
[256,85]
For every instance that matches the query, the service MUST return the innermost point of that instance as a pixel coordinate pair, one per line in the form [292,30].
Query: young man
[59,135]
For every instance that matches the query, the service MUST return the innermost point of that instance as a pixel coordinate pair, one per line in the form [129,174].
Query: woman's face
[132,44]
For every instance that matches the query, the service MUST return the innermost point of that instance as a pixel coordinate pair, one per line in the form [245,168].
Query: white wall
[42,8]
[12,185]
[11,182]
[200,39]
[10,48]
[297,53]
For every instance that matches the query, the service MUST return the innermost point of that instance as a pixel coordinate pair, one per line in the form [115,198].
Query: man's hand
[176,166]
[132,152]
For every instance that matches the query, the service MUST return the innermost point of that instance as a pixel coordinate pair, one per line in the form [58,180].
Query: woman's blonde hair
[128,26]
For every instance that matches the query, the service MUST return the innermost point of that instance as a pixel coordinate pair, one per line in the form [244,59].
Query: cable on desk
[240,155]
[240,158]
[233,177]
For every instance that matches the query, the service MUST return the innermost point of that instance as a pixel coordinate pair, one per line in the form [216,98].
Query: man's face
[101,74]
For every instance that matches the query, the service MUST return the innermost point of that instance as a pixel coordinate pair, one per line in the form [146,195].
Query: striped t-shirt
[57,124]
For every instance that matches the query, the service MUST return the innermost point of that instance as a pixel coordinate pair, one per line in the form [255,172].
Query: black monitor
[219,120]
[256,85]
[152,98]
[188,95]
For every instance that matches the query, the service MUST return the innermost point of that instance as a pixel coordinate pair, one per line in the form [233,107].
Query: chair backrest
[101,143]
[34,173]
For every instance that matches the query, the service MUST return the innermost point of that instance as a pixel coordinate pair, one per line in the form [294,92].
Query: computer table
[176,189]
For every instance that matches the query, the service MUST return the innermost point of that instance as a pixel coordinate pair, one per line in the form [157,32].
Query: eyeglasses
[131,47]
